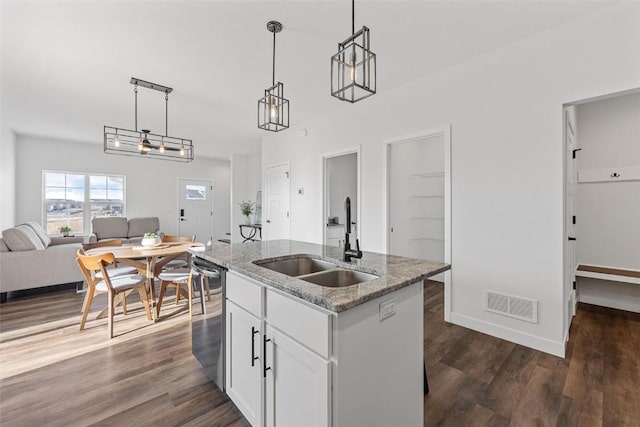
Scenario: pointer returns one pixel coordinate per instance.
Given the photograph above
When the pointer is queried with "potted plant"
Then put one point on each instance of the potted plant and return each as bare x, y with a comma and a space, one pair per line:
150, 239
65, 230
246, 207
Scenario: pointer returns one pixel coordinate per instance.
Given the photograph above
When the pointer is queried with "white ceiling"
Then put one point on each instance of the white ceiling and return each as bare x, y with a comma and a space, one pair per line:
66, 65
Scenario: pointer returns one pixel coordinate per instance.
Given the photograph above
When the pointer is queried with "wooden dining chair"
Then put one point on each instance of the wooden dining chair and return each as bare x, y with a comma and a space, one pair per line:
176, 277
90, 265
113, 270
182, 261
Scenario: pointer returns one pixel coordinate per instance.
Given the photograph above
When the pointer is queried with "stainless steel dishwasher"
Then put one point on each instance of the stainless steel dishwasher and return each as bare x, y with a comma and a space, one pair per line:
207, 330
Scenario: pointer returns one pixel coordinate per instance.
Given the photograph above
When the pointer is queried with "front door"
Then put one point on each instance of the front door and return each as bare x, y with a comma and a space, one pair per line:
195, 210
277, 222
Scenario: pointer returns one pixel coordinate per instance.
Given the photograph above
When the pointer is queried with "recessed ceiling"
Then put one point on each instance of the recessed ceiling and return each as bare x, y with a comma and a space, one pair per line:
66, 65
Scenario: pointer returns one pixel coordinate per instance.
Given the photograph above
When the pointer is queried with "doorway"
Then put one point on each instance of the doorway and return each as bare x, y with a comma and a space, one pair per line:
601, 203
195, 209
277, 223
419, 200
341, 179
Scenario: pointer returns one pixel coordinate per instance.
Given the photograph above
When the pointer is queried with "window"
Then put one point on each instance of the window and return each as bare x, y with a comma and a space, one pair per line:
66, 195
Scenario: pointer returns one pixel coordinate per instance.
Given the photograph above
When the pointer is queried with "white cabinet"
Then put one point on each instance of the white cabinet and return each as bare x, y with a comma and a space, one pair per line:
290, 386
243, 367
297, 385
319, 368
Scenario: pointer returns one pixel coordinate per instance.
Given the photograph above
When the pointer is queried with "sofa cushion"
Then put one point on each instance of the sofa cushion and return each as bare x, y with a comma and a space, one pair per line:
109, 227
42, 235
139, 226
21, 238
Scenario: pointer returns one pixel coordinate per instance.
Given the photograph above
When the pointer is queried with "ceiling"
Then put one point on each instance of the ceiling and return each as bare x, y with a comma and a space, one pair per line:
66, 65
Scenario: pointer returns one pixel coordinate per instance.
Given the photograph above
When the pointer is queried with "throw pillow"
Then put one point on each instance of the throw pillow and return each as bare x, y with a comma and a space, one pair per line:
18, 240
42, 235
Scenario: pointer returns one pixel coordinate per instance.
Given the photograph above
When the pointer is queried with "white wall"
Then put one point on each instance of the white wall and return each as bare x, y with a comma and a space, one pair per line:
151, 185
505, 109
246, 181
7, 178
608, 213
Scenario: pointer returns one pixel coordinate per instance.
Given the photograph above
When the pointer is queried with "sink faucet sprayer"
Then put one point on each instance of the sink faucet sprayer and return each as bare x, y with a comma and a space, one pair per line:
348, 252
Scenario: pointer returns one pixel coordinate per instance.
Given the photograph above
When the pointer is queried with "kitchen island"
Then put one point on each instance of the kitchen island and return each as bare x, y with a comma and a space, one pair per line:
300, 353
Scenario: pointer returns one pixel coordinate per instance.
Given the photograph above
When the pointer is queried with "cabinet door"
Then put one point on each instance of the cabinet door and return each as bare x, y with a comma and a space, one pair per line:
244, 381
297, 384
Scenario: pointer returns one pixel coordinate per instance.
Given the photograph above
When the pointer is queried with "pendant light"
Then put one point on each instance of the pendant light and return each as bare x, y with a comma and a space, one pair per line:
273, 109
353, 68
144, 143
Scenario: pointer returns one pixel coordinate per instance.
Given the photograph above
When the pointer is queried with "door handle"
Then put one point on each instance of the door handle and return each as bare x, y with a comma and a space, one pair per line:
268, 221
181, 212
265, 340
254, 331
571, 238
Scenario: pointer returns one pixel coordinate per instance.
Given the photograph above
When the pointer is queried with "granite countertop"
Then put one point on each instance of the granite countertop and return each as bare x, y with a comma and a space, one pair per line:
395, 272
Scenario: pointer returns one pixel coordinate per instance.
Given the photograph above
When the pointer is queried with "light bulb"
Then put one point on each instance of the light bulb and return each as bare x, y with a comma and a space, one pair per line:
162, 147
182, 150
353, 64
140, 146
116, 141
274, 110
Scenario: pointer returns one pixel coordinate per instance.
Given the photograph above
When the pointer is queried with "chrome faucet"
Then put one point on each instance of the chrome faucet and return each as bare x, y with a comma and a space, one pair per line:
348, 252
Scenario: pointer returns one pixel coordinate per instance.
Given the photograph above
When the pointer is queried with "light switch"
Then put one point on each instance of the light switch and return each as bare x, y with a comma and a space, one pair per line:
387, 309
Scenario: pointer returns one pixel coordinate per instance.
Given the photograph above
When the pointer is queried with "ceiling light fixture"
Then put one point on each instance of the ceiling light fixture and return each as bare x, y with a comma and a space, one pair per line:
144, 143
273, 109
353, 68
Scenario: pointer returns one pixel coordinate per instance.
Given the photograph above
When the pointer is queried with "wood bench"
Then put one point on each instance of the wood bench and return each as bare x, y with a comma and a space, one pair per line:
625, 275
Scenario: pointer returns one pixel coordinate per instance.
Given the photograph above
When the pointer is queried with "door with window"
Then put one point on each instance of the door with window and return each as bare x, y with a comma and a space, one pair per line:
195, 209
277, 222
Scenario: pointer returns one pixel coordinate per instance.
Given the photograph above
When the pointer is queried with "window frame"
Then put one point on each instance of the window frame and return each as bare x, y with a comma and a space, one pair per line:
86, 213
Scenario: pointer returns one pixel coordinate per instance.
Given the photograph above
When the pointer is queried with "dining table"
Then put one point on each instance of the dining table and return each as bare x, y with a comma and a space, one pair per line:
149, 260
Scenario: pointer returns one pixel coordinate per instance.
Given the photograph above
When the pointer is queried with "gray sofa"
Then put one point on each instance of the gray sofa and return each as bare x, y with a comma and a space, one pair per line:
29, 258
129, 231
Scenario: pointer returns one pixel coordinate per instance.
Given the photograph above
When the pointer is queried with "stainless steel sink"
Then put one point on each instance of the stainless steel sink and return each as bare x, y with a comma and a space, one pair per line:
298, 266
338, 277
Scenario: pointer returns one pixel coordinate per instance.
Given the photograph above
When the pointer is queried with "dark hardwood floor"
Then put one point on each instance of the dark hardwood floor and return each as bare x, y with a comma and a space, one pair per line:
51, 374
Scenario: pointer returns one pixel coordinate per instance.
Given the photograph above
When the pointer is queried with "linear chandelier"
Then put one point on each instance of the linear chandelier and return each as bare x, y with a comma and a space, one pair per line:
143, 143
273, 109
353, 68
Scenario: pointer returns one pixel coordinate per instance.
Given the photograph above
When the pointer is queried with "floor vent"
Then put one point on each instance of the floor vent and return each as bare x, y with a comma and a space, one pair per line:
508, 305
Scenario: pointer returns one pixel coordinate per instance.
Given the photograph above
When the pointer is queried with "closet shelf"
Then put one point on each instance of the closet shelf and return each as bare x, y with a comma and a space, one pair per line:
426, 175
428, 196
614, 274
426, 238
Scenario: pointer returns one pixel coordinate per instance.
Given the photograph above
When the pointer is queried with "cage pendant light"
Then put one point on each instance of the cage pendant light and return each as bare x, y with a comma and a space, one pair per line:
273, 109
353, 68
143, 143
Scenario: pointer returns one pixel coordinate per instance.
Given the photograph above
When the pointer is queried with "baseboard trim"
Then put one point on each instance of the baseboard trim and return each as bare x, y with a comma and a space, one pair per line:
527, 340
603, 301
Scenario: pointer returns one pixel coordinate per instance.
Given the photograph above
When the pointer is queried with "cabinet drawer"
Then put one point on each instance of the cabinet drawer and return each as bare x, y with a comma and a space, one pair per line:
244, 293
305, 324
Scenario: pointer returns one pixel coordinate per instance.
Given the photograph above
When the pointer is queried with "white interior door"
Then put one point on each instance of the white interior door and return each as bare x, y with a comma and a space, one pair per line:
277, 223
195, 209
570, 212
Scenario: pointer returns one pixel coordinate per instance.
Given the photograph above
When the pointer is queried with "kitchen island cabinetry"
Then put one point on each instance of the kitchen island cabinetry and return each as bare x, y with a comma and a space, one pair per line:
321, 368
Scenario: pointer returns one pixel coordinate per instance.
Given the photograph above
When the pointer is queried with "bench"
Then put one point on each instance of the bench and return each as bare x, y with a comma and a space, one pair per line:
615, 274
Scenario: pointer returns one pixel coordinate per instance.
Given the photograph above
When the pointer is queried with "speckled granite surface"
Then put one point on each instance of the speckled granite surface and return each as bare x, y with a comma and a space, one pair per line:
395, 272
